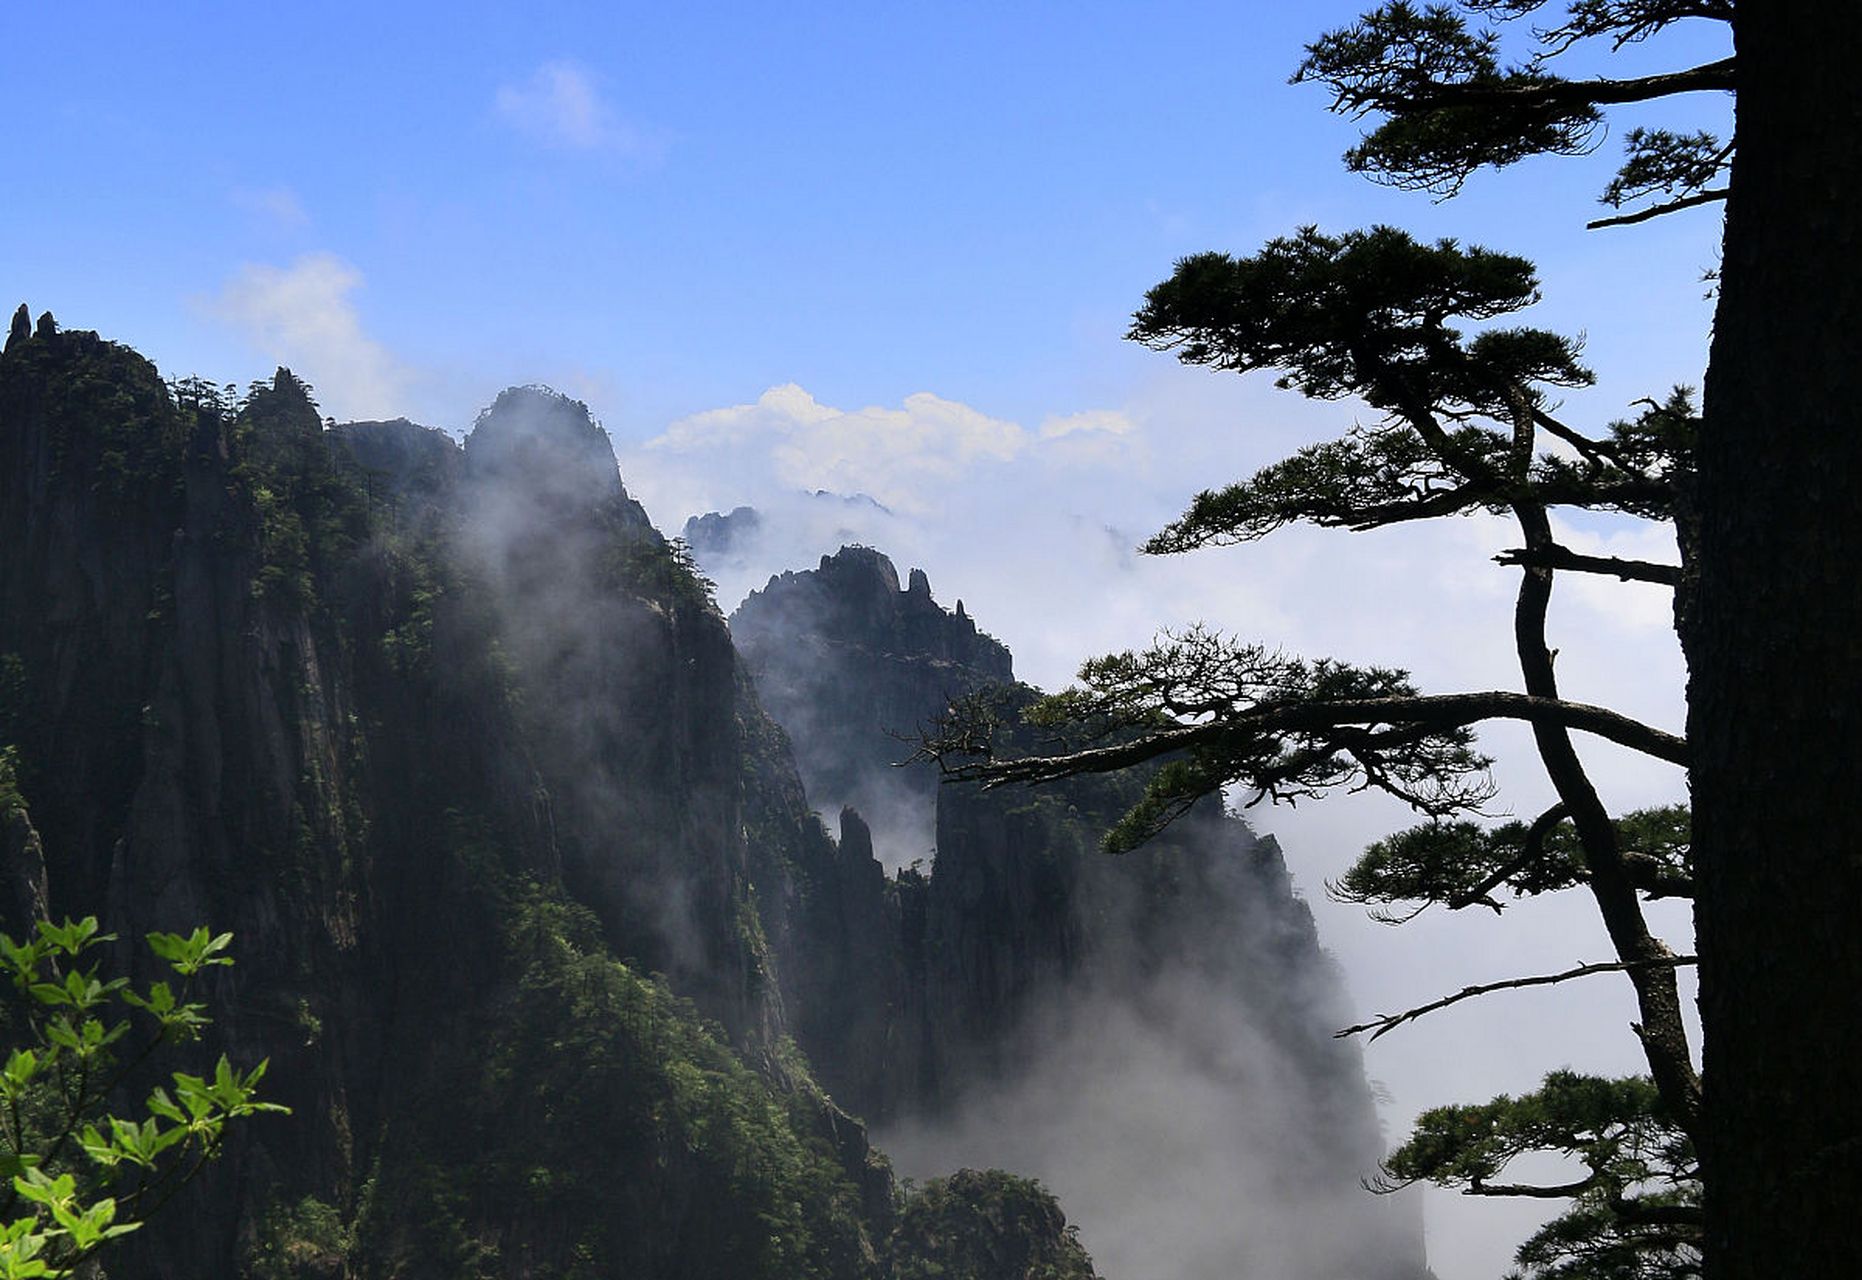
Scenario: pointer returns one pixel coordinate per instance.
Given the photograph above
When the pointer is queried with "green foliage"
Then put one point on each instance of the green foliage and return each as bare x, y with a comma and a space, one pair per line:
601, 1101
985, 1225
1364, 313
300, 1241
1448, 105
1660, 162
113, 428
312, 507
10, 799
1223, 697
80, 1175
1639, 469
1463, 864
1399, 52
662, 569
284, 550
408, 646
1373, 476
1635, 1211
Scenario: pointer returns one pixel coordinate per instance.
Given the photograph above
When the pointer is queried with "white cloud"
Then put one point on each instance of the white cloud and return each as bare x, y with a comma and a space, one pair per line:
302, 316
906, 457
560, 105
1635, 606
1106, 421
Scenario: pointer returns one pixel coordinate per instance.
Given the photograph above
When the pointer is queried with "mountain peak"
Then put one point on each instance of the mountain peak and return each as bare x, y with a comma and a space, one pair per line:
546, 445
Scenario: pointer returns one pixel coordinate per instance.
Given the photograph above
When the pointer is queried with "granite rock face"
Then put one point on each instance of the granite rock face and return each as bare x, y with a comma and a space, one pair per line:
457, 747
853, 667
1042, 988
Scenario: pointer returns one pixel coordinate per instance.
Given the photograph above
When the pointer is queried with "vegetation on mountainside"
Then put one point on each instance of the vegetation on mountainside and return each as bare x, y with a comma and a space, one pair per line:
131, 447
600, 1101
310, 503
989, 1223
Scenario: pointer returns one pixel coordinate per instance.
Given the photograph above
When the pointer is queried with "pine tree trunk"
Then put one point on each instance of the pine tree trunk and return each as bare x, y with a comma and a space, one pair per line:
1775, 653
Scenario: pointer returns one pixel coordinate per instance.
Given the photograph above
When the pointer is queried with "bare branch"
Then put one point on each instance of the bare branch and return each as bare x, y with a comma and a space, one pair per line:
1564, 1191
1562, 557
1595, 452
1391, 1021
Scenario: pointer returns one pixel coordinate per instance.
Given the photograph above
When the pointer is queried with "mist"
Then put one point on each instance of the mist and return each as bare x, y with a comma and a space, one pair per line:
1148, 1035
1174, 1134
634, 804
1040, 544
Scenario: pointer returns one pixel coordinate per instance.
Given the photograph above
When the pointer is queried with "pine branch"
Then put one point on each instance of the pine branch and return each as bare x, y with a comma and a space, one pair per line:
1551, 92
1595, 452
1438, 711
1563, 1191
1708, 196
1532, 850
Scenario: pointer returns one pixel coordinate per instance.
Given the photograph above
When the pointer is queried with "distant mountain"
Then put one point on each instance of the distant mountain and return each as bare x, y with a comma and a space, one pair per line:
723, 534
743, 535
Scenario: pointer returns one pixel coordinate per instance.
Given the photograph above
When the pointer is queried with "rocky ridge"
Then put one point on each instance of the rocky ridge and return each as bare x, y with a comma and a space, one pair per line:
458, 748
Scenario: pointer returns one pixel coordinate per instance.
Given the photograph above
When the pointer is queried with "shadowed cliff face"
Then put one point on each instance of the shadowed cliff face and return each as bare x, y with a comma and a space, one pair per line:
457, 747
1149, 1034
854, 667
628, 690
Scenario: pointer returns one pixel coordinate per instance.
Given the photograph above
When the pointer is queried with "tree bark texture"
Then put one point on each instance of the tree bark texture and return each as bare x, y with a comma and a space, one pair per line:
1774, 640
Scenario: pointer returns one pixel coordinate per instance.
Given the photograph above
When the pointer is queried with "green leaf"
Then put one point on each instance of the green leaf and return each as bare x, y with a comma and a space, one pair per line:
162, 1105
189, 955
21, 1066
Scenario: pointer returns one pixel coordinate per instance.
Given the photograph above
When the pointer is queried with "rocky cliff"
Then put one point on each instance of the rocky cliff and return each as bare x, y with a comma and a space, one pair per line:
1151, 1034
459, 749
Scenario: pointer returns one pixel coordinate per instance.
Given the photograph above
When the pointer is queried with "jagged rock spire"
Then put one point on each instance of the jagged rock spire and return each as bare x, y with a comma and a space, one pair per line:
22, 327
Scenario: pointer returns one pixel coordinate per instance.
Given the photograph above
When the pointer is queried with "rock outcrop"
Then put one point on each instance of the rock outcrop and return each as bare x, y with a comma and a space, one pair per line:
854, 668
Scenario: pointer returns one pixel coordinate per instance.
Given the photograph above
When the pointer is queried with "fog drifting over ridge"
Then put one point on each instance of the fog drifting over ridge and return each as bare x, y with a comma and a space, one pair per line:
1035, 530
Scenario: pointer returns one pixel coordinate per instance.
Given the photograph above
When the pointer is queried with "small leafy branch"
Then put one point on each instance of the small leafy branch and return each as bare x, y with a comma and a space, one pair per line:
79, 1175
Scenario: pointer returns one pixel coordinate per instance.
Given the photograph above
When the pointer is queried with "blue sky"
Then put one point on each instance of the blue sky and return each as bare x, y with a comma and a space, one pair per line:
889, 248
678, 206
